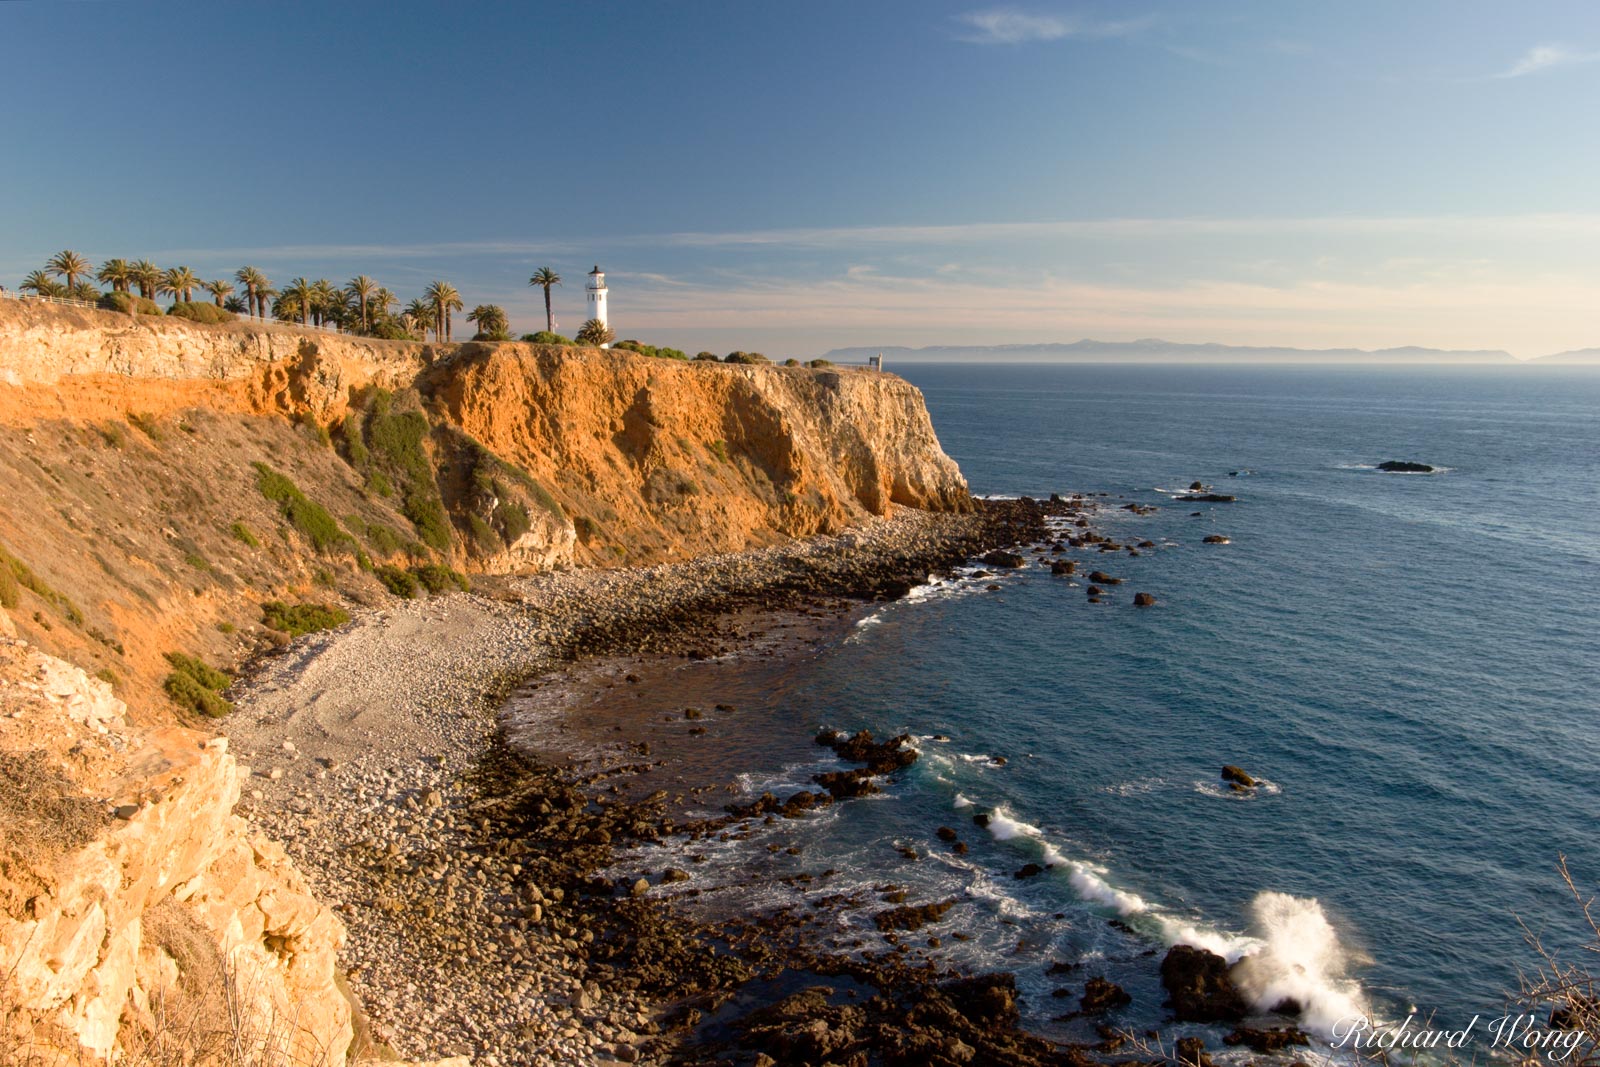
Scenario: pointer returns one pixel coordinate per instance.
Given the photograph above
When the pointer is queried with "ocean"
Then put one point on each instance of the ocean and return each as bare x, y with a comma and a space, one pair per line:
1407, 662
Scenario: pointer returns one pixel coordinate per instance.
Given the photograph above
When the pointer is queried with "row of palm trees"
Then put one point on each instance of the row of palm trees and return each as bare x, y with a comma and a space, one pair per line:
361, 305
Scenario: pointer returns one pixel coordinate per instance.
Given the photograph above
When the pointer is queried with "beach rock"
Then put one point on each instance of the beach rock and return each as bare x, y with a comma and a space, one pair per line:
1215, 539
1002, 558
1102, 578
1237, 775
1100, 995
1191, 1052
1199, 987
912, 916
842, 785
1143, 600
1267, 1041
1063, 566
1398, 466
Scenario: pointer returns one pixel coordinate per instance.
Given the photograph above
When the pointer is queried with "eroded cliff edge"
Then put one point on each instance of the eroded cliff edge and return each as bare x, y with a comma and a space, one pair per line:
160, 480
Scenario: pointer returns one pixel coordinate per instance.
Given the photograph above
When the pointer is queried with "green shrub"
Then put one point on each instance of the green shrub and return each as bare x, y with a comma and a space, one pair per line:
355, 449
718, 448
107, 675
707, 357
21, 575
484, 535
199, 311
297, 620
378, 483
791, 362
243, 534
195, 698
198, 562
129, 303
819, 364
304, 514
437, 578
545, 337
497, 335
396, 439
399, 582
747, 358
513, 521
112, 435
146, 424
226, 627
10, 592
587, 528
197, 669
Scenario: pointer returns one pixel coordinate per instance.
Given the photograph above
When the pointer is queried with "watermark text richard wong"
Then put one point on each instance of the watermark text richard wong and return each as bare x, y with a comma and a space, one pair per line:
1520, 1035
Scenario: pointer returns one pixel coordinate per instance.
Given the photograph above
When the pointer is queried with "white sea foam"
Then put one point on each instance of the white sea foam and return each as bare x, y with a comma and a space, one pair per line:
1299, 956
961, 801
1003, 826
1264, 787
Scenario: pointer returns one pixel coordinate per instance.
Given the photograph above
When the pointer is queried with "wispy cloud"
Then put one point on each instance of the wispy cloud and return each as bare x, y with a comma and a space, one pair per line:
1006, 25
1547, 57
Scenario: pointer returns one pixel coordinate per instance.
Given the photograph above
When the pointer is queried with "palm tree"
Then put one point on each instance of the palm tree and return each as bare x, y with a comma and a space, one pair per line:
445, 299
220, 290
327, 301
362, 290
546, 277
117, 273
383, 300
597, 333
41, 283
85, 292
147, 276
264, 295
418, 318
254, 282
69, 266
180, 282
298, 299
236, 305
491, 319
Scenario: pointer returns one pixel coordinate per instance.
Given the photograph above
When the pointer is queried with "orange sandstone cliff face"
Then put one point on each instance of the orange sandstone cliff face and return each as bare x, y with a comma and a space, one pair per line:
144, 511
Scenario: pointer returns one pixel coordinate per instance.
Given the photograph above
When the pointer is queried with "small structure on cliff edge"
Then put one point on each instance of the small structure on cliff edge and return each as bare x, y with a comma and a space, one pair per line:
875, 362
597, 297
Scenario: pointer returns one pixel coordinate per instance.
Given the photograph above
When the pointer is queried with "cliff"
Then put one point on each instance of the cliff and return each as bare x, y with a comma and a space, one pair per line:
160, 481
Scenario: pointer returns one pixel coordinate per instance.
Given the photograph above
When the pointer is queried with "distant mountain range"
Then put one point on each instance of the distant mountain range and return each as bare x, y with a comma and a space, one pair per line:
1154, 350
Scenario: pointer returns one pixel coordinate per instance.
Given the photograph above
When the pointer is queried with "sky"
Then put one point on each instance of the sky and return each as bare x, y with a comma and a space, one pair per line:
794, 177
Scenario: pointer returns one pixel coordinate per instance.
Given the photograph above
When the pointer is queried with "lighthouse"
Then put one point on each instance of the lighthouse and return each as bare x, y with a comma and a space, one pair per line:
597, 297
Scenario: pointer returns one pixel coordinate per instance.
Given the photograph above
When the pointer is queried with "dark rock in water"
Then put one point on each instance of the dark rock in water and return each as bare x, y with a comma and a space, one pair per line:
987, 999
1100, 995
1064, 566
1195, 487
1055, 498
992, 588
998, 761
1191, 1052
1002, 558
805, 1027
1195, 514
803, 802
674, 874
894, 588
1095, 590
912, 916
982, 574
1230, 773
1215, 539
1398, 466
983, 818
1027, 870
945, 833
959, 848
1289, 1006
1102, 578
692, 713
726, 707
1143, 600
1147, 544
1266, 1041
1094, 600
1062, 967
1209, 498
842, 785
1199, 987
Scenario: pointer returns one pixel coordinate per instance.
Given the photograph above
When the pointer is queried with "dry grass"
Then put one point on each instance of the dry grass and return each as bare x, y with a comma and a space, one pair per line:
41, 809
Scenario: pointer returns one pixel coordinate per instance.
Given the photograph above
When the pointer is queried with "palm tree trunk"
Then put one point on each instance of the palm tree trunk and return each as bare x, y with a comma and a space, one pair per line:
549, 320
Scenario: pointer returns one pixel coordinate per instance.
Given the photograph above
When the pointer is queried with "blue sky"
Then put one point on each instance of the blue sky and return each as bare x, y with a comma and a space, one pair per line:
790, 177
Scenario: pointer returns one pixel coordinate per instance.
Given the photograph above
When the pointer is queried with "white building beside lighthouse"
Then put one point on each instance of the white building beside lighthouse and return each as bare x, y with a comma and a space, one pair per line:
597, 297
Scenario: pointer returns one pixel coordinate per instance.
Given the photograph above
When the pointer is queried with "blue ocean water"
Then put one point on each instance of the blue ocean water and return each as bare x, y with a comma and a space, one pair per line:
1409, 661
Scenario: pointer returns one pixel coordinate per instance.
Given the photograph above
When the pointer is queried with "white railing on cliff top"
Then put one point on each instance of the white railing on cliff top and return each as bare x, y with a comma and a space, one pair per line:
28, 298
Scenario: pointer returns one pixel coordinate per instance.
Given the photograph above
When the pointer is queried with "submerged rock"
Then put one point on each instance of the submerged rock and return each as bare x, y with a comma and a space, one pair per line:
1400, 466
1215, 539
1100, 995
1267, 1041
1209, 498
1143, 600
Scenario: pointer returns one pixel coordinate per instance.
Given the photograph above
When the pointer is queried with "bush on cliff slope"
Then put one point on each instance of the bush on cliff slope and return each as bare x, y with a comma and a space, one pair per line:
297, 620
304, 514
199, 311
197, 687
130, 303
388, 447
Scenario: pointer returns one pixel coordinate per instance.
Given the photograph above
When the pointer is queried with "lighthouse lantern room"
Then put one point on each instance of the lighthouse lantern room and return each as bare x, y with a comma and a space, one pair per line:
597, 297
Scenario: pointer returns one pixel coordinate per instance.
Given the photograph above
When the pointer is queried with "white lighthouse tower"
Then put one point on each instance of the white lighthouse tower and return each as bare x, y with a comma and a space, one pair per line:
597, 297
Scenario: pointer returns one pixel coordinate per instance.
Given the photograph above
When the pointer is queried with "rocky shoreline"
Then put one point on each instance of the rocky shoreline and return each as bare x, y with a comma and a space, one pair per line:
464, 872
